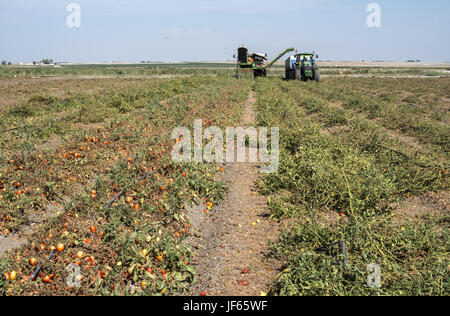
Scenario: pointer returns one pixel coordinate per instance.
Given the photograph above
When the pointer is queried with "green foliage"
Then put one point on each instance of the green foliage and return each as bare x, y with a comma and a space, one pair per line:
333, 160
413, 259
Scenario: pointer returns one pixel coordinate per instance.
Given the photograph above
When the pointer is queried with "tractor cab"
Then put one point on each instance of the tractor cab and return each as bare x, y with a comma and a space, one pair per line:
305, 57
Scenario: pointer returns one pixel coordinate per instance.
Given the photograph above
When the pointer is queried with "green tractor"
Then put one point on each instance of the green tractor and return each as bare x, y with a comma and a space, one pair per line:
256, 62
302, 67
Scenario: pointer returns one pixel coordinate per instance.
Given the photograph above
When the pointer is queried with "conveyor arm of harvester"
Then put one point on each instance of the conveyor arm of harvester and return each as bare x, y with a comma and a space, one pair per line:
278, 57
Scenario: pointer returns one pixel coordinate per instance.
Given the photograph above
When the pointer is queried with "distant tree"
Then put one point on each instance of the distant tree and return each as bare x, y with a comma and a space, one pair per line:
3, 62
47, 61
9, 63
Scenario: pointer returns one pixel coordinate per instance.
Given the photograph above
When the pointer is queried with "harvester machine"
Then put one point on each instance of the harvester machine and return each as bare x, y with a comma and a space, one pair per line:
255, 62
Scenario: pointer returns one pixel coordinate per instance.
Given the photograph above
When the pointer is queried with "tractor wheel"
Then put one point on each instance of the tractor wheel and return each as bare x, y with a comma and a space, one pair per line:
317, 74
298, 74
291, 74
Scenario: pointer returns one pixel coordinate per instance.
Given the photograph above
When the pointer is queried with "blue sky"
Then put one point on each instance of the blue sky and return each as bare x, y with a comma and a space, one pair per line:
211, 30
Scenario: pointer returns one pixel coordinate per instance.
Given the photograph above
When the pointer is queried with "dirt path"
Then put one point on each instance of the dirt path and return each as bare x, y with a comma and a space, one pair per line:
34, 220
168, 76
234, 236
443, 75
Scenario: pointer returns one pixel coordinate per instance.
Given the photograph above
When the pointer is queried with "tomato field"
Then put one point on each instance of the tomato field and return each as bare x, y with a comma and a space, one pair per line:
88, 186
137, 238
353, 151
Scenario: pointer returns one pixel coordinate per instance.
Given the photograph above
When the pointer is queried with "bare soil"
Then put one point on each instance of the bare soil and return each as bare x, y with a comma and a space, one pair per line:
34, 221
419, 209
231, 249
10, 242
409, 141
378, 76
385, 64
113, 77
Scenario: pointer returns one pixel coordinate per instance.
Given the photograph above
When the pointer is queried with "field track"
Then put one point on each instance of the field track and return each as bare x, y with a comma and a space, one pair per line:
113, 77
231, 256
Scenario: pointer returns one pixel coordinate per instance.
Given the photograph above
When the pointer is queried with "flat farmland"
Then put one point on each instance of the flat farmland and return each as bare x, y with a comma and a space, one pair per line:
86, 177
363, 173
